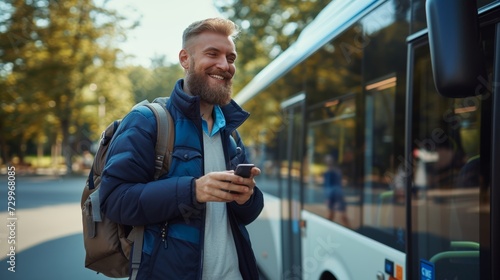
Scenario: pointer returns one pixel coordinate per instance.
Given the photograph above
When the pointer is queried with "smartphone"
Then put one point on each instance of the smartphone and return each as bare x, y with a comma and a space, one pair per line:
244, 169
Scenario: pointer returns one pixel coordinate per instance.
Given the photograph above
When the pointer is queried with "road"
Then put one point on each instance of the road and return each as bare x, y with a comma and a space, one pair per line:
46, 226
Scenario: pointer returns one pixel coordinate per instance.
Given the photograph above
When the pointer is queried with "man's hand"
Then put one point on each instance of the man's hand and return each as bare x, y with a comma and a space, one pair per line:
225, 186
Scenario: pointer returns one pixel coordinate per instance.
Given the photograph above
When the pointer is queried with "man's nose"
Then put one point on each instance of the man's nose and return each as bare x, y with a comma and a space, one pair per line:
223, 63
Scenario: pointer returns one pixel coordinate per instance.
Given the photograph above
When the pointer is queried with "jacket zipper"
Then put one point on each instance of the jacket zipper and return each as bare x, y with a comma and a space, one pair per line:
163, 232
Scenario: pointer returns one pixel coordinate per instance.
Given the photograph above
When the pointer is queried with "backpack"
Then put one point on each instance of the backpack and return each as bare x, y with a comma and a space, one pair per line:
108, 244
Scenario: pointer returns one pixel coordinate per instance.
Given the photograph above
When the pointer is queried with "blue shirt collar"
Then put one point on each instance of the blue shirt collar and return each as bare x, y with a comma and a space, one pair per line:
219, 122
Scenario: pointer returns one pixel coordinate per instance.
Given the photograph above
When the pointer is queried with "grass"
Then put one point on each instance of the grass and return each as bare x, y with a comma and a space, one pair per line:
42, 162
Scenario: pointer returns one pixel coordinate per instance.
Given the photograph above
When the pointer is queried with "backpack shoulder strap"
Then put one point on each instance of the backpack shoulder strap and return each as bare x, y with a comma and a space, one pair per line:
165, 138
137, 235
164, 146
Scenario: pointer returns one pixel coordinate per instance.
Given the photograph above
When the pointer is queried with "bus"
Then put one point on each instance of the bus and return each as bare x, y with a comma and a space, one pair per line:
396, 101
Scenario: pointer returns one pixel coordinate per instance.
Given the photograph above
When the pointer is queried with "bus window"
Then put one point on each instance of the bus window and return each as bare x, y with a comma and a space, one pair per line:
380, 195
356, 109
449, 194
330, 145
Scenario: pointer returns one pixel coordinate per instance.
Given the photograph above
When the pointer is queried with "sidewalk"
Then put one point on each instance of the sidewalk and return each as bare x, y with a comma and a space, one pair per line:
43, 171
35, 226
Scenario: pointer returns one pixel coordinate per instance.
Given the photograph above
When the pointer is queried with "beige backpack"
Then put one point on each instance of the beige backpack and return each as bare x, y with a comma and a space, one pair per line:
108, 244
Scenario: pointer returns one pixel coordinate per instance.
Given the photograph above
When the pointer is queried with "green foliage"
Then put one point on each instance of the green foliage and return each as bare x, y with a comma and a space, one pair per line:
51, 52
62, 81
267, 29
154, 82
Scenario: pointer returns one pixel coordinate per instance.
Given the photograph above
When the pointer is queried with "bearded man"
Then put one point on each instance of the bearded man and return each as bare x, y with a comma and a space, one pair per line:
194, 216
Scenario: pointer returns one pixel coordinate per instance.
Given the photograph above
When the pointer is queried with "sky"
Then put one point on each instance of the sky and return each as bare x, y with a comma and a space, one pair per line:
161, 26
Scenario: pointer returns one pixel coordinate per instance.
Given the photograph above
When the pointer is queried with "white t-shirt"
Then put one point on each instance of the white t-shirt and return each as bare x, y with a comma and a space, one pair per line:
220, 259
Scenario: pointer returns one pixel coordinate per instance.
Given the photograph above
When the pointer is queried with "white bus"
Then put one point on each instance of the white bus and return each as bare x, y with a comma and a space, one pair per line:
399, 98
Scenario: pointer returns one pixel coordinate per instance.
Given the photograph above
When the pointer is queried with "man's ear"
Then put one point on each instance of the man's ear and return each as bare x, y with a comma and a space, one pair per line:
184, 59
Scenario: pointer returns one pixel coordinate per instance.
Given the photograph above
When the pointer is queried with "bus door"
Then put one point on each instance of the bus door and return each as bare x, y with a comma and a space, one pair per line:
290, 160
449, 163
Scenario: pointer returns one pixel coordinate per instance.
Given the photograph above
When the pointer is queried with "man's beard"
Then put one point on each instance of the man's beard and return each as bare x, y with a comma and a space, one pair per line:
199, 85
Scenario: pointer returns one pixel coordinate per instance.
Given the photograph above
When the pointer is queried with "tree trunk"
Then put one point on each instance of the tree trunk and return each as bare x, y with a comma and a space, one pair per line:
66, 147
4, 150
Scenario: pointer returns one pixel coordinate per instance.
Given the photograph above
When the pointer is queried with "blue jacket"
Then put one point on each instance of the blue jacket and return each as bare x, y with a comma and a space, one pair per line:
130, 196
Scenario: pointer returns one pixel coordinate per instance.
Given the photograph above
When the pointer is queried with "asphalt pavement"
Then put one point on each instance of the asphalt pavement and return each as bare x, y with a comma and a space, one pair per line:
41, 237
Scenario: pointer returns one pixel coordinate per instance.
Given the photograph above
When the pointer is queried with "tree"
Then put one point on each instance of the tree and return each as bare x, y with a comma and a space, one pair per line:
55, 51
13, 44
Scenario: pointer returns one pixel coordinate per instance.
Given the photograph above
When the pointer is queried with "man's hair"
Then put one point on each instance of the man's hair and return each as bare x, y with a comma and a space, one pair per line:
217, 25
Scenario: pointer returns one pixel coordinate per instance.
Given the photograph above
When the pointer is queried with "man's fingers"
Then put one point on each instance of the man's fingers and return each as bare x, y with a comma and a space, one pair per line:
225, 187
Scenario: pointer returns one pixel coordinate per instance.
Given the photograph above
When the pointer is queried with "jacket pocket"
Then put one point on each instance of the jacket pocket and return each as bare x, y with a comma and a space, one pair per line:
179, 255
186, 162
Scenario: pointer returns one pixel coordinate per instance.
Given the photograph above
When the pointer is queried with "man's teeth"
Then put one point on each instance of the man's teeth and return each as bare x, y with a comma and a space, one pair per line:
217, 77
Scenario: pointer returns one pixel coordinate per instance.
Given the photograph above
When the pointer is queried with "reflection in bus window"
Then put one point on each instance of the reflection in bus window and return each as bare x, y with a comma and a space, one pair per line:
380, 208
330, 142
356, 100
449, 201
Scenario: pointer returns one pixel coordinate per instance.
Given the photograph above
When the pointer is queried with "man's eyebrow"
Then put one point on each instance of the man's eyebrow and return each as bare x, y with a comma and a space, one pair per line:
209, 49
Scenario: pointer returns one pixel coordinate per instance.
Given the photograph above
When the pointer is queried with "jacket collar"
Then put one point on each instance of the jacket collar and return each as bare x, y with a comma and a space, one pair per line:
190, 107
